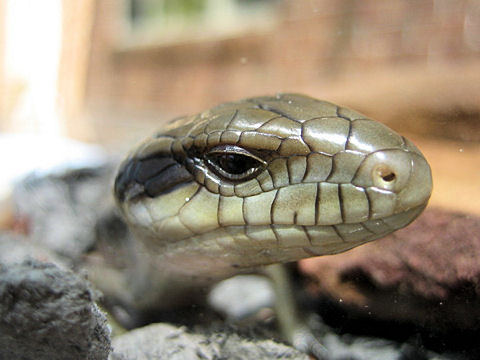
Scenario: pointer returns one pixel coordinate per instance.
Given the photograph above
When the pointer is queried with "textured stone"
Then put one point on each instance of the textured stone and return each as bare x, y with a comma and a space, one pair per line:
16, 248
427, 274
60, 210
49, 313
165, 341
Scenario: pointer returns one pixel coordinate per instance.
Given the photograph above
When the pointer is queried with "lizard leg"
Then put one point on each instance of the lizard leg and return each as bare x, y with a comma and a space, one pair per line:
292, 324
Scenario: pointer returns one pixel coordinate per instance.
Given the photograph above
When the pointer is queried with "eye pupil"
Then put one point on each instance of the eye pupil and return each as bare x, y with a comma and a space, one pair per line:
236, 164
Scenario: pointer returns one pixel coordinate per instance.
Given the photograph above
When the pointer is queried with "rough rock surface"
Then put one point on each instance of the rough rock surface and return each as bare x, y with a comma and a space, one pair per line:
60, 210
49, 313
165, 341
213, 342
16, 248
427, 274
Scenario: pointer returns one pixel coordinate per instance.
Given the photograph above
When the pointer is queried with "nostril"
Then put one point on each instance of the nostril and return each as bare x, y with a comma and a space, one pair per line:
389, 170
385, 172
388, 177
384, 176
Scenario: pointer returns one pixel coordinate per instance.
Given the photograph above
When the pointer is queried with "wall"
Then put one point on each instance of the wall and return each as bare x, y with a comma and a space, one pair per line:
341, 50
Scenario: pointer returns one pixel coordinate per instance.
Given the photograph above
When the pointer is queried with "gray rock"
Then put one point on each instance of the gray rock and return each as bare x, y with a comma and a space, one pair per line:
164, 341
49, 313
61, 210
16, 248
242, 296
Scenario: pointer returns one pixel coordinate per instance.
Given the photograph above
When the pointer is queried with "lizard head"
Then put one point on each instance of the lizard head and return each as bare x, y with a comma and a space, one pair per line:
272, 179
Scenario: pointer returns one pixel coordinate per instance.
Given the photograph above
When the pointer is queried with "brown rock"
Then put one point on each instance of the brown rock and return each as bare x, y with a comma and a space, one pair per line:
427, 274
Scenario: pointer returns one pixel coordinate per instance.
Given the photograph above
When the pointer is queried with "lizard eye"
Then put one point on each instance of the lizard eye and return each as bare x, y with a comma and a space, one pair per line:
234, 163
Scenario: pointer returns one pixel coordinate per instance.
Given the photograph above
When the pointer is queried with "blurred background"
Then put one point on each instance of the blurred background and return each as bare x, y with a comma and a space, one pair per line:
109, 72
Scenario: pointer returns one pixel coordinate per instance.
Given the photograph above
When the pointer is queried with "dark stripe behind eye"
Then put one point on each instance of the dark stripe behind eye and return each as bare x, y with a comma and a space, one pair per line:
167, 180
151, 167
157, 175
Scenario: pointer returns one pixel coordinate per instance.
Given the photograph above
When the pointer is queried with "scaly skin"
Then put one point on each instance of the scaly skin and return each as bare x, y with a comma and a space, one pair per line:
325, 179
